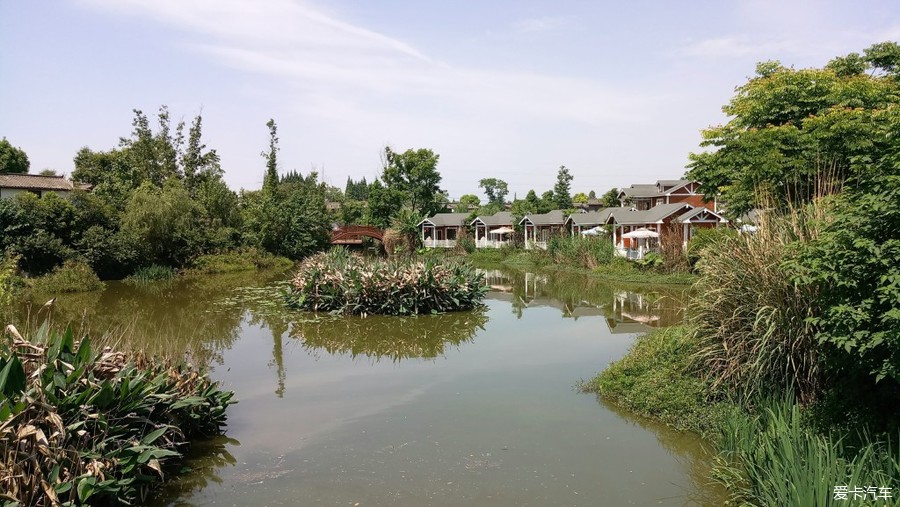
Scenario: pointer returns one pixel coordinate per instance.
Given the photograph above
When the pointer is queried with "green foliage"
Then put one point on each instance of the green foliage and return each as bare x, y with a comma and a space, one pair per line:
151, 274
414, 175
793, 132
82, 426
165, 223
340, 282
610, 199
12, 159
580, 198
751, 320
657, 379
854, 267
384, 203
495, 189
356, 190
774, 458
7, 270
466, 201
244, 260
562, 197
292, 222
352, 213
71, 276
650, 260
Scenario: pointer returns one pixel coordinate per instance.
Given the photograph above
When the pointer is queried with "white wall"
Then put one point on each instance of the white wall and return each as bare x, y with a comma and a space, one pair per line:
7, 193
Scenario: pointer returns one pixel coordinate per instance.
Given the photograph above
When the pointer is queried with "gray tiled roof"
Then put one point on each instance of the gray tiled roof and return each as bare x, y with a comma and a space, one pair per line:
446, 219
592, 217
499, 218
625, 216
672, 183
35, 182
641, 190
555, 217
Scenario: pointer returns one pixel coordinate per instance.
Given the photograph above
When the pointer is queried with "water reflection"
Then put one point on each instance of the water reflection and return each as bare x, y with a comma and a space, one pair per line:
633, 310
394, 338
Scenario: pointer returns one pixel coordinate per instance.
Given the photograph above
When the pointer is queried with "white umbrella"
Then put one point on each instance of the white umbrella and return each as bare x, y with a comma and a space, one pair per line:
641, 233
748, 228
502, 230
593, 231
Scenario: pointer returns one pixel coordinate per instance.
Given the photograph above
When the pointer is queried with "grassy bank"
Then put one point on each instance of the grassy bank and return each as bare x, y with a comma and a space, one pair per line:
613, 269
234, 262
81, 425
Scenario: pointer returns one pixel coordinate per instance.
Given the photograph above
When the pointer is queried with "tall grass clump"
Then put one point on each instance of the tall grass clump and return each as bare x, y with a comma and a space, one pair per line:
152, 273
581, 251
340, 282
82, 426
7, 269
71, 276
773, 458
750, 319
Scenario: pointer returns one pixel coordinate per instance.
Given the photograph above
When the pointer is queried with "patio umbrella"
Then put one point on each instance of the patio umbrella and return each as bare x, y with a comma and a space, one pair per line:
641, 233
502, 230
593, 231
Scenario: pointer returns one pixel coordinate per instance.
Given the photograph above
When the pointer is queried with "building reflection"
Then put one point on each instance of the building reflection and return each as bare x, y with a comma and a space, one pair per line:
634, 310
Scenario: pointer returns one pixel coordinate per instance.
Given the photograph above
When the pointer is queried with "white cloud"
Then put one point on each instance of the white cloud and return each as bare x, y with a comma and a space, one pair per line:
541, 24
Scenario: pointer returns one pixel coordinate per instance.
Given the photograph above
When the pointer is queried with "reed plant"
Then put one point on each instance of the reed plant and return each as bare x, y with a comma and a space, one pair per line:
580, 251
774, 458
751, 321
340, 282
82, 426
151, 274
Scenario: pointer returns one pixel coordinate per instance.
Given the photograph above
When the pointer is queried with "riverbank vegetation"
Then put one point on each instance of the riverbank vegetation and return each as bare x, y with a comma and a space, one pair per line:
81, 425
795, 328
340, 282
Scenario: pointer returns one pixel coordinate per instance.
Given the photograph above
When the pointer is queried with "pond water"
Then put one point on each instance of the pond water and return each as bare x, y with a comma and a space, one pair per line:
476, 408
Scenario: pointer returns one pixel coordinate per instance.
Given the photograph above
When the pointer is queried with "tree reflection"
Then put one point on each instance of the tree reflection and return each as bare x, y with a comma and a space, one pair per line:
394, 338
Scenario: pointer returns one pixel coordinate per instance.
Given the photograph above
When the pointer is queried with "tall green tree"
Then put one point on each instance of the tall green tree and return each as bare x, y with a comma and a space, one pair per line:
495, 189
467, 200
12, 159
384, 204
199, 164
611, 198
562, 196
414, 174
270, 180
796, 133
580, 197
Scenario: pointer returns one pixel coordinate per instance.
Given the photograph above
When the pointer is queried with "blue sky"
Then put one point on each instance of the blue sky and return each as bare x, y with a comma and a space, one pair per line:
616, 91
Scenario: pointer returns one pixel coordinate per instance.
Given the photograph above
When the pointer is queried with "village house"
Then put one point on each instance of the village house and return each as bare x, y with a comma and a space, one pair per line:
442, 230
13, 184
578, 223
642, 197
636, 232
493, 231
539, 228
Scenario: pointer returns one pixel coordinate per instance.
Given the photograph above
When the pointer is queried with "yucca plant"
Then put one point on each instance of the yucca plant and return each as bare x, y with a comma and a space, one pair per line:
340, 282
83, 426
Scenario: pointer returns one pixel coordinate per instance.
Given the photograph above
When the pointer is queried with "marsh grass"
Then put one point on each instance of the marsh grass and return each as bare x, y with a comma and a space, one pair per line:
81, 425
751, 321
242, 260
580, 251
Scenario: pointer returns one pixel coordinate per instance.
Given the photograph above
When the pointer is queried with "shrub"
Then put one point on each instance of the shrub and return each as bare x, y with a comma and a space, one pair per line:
704, 238
340, 282
83, 426
72, 276
854, 266
752, 322
7, 269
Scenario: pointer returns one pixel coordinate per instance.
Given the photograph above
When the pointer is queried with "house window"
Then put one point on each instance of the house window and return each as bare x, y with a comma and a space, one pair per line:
659, 201
451, 234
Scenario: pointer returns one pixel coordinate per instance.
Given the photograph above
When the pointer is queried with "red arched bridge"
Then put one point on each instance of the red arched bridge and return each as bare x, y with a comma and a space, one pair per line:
353, 234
